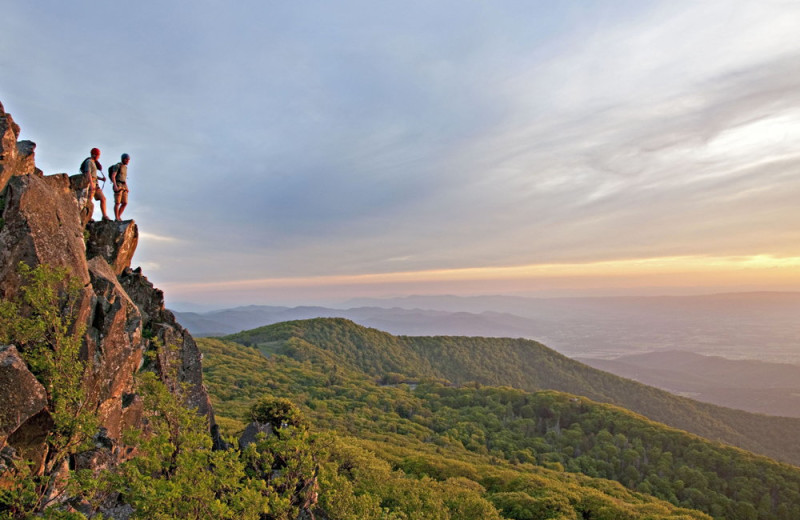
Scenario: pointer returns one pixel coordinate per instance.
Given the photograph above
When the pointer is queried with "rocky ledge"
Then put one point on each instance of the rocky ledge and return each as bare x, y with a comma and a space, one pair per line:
46, 220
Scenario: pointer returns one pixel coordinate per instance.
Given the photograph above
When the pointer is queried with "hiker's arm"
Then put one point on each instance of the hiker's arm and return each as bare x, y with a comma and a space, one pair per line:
99, 170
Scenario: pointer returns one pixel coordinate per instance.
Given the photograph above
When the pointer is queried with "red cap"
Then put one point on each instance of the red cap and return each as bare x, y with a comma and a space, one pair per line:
95, 151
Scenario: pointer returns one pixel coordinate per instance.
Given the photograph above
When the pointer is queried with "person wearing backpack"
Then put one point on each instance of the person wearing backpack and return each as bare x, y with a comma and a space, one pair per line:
119, 178
89, 167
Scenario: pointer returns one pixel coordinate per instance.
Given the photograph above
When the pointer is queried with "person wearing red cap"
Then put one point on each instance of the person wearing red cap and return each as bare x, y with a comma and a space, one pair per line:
89, 167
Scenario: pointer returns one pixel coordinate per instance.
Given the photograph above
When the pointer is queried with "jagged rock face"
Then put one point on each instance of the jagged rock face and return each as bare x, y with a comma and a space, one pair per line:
178, 361
80, 186
44, 221
16, 158
41, 226
113, 347
114, 241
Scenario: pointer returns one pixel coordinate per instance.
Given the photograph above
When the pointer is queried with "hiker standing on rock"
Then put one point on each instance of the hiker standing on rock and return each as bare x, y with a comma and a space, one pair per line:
119, 177
89, 167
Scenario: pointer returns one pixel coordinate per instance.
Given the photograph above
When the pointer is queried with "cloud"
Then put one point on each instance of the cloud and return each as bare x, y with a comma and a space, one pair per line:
280, 141
158, 238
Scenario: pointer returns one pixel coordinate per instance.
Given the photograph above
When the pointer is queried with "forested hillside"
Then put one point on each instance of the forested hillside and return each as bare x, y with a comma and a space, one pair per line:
523, 364
406, 414
379, 460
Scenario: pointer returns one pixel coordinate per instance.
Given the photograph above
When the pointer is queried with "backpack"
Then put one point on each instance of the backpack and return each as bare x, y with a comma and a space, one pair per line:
113, 170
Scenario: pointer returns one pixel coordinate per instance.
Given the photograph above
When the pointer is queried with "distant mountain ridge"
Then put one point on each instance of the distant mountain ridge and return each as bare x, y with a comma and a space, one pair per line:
393, 320
754, 386
526, 365
737, 325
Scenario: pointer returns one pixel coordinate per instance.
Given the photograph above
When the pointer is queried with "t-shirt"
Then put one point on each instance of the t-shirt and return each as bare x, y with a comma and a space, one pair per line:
122, 173
89, 166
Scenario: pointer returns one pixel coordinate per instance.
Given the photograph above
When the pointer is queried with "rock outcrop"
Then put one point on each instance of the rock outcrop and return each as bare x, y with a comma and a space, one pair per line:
16, 157
178, 361
120, 320
113, 241
43, 220
40, 225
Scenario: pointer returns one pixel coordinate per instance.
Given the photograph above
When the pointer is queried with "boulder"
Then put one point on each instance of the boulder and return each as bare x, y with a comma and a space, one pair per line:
8, 146
252, 431
29, 440
21, 395
113, 241
100, 457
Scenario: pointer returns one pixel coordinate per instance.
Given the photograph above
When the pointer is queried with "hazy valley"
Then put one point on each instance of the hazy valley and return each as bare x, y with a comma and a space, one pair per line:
441, 407
761, 326
704, 347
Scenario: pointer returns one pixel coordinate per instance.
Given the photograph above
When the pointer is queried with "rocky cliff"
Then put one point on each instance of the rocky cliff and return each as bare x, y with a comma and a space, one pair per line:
45, 219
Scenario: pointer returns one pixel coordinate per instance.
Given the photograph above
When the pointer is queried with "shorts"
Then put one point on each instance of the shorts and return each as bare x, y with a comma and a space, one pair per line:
98, 194
121, 196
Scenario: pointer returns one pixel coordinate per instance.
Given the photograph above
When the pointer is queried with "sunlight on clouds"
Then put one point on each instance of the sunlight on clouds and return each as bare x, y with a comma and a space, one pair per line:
700, 268
157, 238
150, 266
772, 135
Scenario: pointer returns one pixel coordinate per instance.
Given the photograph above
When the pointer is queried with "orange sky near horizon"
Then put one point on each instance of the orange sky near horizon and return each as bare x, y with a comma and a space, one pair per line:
665, 275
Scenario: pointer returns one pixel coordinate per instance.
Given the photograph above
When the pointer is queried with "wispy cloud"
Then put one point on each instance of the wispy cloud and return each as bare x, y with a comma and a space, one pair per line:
313, 142
157, 238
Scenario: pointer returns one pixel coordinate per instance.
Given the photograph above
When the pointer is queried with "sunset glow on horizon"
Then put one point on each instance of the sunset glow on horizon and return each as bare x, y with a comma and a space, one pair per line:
758, 272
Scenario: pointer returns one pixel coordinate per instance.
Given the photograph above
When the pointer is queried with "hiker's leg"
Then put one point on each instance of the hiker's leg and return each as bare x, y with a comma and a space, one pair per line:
102, 204
123, 203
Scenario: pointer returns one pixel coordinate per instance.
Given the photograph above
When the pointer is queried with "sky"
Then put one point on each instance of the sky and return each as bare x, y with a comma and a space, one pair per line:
310, 152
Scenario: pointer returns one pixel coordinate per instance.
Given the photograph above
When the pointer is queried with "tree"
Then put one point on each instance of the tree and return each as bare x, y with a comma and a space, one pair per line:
40, 320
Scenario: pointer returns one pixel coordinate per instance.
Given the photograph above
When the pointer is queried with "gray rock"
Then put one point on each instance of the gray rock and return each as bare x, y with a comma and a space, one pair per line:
252, 431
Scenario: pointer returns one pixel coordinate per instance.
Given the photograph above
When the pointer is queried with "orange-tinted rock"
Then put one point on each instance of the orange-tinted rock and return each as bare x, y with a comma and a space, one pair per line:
16, 158
113, 348
43, 222
80, 187
113, 241
41, 226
